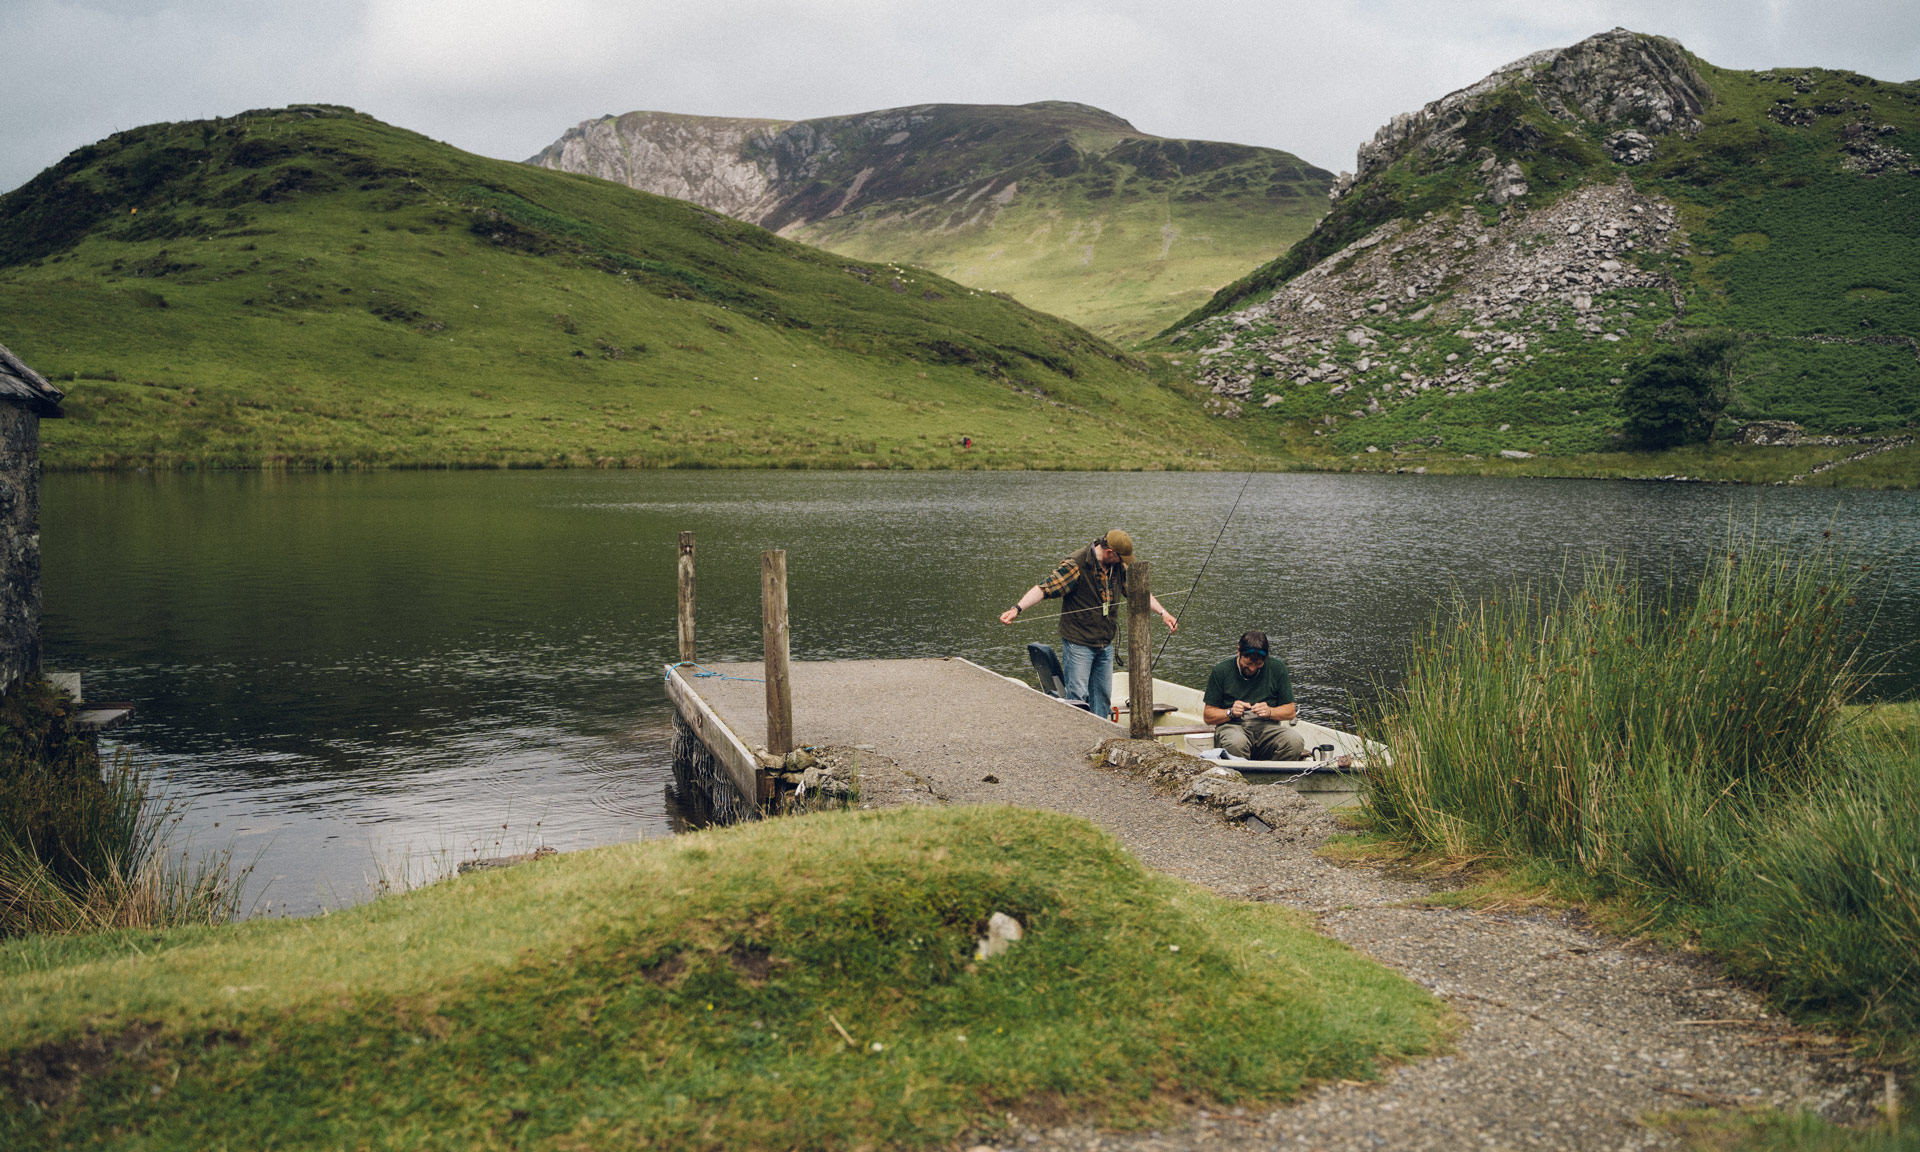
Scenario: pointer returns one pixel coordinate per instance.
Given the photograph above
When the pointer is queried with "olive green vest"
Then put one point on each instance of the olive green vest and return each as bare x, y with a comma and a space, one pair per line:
1080, 618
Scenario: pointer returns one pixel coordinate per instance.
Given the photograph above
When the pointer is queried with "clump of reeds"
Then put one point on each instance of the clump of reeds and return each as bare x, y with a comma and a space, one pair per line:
85, 846
1830, 909
1628, 732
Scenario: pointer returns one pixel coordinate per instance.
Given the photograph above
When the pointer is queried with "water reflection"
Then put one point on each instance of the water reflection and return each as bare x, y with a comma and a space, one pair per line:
378, 673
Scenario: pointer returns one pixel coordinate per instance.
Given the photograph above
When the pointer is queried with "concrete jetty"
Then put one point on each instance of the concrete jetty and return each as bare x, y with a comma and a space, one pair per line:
937, 719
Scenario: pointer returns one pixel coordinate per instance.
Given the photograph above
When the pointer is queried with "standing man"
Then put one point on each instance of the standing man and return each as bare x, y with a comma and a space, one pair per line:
1249, 700
1088, 581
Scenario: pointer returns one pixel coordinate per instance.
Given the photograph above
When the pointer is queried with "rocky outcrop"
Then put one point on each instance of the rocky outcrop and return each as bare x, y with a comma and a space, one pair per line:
721, 163
1503, 286
1645, 84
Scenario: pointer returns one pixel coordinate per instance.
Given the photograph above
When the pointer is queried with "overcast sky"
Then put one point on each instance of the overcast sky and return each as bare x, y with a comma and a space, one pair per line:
506, 77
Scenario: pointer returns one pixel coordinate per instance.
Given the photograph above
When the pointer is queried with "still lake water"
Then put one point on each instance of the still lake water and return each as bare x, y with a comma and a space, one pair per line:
345, 674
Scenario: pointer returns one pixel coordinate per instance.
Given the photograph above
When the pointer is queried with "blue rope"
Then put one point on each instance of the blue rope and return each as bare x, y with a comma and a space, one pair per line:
705, 673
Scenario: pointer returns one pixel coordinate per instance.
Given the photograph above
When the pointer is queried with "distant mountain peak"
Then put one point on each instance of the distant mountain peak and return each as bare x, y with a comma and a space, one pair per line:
1052, 200
1081, 109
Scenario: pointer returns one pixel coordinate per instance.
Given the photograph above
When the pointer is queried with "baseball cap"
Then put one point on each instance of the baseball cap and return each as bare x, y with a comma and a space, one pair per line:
1119, 543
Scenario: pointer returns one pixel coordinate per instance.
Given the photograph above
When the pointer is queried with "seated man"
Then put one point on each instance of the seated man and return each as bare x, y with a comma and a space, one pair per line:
1249, 699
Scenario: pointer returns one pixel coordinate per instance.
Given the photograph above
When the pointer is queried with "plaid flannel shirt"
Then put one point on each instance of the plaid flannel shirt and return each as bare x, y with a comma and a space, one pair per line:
1060, 580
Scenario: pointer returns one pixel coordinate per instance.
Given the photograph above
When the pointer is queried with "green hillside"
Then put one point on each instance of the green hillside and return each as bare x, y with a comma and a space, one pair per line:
1782, 208
1068, 208
309, 286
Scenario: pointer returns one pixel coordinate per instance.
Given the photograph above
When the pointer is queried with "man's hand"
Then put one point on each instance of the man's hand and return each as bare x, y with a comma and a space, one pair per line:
1009, 616
1167, 618
1261, 711
1239, 709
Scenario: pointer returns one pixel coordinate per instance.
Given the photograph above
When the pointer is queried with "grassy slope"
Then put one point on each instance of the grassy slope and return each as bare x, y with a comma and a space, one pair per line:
1787, 247
311, 286
1109, 227
693, 992
1122, 238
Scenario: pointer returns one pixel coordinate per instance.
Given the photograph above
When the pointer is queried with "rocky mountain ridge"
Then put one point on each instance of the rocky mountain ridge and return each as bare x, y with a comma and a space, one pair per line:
1503, 255
1068, 207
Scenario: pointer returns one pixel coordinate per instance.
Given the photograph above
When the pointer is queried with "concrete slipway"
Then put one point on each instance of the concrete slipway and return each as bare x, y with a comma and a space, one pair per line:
1572, 1038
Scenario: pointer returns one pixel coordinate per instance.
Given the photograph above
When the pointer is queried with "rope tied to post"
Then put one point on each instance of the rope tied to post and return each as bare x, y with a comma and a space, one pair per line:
708, 673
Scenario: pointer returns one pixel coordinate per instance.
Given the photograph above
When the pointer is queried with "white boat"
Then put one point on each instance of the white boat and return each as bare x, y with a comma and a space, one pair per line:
1336, 761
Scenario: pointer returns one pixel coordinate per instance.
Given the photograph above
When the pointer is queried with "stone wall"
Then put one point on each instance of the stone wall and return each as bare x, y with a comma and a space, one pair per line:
19, 542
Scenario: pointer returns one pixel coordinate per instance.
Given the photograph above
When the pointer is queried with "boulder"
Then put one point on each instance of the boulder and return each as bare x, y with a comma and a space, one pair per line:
1002, 932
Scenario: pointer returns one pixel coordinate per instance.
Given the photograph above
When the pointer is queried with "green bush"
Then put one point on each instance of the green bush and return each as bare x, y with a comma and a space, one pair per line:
1676, 395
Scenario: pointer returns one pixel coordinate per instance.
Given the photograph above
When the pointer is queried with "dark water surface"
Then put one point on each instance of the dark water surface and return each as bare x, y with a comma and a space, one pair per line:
351, 674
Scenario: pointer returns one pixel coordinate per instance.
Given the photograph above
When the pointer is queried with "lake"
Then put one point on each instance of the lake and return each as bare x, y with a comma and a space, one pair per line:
349, 676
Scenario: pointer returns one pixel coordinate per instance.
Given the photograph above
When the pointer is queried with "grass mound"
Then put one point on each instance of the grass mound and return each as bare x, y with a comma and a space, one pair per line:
807, 982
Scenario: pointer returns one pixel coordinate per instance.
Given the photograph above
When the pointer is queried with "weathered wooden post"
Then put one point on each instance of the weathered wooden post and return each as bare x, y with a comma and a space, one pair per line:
686, 597
1139, 652
773, 612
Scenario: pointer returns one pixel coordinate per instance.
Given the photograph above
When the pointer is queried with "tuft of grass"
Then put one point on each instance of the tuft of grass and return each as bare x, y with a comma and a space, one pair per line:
1830, 908
1681, 765
1626, 736
1720, 1131
85, 847
807, 982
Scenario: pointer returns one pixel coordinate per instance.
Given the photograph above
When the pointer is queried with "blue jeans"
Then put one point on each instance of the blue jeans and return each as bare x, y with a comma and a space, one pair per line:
1089, 673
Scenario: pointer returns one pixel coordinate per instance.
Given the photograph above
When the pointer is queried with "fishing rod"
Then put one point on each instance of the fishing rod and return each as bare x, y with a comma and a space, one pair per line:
1203, 568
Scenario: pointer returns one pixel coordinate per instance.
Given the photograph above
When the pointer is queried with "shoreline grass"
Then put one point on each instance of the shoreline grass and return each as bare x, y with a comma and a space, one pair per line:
1895, 470
1680, 764
84, 846
806, 982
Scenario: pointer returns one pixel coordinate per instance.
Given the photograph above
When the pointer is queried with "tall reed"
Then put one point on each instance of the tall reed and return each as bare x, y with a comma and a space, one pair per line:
1831, 912
1625, 731
84, 847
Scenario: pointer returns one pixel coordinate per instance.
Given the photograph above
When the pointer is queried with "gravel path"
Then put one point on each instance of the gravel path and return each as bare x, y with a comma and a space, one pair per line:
1569, 1038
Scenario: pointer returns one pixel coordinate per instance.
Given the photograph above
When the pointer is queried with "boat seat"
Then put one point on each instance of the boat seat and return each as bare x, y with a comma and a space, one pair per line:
1046, 665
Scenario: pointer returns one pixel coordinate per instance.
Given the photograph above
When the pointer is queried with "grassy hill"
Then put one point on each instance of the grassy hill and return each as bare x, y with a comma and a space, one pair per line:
808, 982
1507, 254
309, 286
1068, 208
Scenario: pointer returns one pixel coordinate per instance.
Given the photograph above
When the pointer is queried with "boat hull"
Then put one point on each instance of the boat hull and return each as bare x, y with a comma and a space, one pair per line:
1333, 778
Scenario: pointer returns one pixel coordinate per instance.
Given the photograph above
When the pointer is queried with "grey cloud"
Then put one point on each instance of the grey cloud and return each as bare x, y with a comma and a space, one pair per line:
504, 77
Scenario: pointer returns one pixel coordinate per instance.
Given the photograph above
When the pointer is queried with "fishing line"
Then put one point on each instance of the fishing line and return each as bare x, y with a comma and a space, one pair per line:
1023, 618
1203, 566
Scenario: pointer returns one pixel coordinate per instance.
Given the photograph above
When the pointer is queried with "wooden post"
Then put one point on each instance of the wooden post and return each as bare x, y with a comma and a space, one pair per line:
773, 613
1139, 652
686, 596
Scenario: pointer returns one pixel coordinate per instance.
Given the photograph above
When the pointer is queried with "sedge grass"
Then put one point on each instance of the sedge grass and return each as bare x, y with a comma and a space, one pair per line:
1628, 733
801, 983
85, 846
1829, 912
1682, 762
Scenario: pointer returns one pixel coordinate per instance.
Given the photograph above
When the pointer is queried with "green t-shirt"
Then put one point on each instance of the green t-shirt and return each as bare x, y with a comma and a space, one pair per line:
1270, 686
